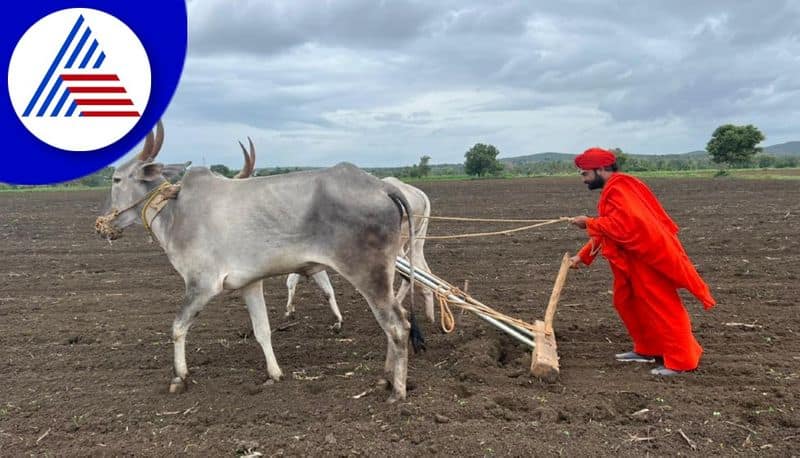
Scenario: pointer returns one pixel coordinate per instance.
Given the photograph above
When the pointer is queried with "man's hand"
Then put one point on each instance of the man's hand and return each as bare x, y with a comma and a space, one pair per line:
579, 221
575, 262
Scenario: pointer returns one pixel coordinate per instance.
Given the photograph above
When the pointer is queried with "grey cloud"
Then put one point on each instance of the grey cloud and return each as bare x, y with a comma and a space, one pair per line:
267, 27
370, 79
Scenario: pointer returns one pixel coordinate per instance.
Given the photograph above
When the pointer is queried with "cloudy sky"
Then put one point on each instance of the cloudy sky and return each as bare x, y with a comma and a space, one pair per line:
381, 83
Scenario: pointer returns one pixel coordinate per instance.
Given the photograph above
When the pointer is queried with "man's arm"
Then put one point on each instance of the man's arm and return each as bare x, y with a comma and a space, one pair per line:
616, 224
587, 254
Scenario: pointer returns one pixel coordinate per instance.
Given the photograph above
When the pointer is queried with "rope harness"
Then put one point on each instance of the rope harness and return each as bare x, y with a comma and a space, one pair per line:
156, 199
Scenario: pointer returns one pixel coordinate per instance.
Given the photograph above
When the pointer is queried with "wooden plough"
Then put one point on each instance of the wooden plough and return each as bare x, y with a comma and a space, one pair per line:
539, 336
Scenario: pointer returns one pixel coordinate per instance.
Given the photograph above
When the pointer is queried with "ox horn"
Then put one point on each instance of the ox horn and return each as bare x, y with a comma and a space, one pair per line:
252, 155
249, 160
247, 167
144, 154
152, 145
159, 140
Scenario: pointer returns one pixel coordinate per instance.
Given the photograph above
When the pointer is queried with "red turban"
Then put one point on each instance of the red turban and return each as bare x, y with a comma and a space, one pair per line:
595, 158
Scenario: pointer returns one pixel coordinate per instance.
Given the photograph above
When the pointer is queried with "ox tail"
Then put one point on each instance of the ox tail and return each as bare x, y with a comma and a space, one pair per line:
417, 340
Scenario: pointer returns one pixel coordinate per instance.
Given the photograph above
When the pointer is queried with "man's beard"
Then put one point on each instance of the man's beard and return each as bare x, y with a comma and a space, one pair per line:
597, 183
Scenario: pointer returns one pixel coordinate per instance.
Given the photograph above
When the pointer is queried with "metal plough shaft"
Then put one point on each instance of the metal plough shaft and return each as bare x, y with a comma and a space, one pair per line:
428, 280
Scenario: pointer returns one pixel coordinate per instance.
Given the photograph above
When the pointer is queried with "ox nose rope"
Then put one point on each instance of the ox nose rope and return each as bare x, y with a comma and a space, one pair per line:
103, 225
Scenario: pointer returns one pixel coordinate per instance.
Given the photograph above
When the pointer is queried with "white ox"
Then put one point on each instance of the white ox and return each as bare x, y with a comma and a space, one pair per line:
225, 234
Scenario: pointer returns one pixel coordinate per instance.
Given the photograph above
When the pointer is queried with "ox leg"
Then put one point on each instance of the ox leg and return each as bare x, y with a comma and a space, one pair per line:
254, 297
392, 318
291, 286
403, 289
324, 283
196, 299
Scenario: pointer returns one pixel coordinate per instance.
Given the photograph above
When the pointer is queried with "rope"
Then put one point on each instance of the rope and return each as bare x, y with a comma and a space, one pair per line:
483, 220
507, 231
447, 321
165, 191
103, 224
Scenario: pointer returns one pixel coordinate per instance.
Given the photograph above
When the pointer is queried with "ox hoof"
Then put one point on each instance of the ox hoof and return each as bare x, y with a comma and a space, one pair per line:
336, 327
395, 397
289, 314
384, 383
275, 377
177, 386
269, 382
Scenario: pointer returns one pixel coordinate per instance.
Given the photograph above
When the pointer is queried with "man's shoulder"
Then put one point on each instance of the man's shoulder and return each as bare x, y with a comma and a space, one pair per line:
623, 179
624, 184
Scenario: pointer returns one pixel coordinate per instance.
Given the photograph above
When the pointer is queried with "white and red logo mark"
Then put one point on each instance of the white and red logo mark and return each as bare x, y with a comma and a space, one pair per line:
79, 79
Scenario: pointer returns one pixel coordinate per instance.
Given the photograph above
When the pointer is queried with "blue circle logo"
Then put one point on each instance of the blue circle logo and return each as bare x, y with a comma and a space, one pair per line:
86, 84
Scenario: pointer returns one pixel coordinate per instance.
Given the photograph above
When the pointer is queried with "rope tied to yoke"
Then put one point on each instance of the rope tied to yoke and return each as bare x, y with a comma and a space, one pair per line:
447, 320
538, 223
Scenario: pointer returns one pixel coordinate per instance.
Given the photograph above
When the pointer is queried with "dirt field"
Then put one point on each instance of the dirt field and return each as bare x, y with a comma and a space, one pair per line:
85, 352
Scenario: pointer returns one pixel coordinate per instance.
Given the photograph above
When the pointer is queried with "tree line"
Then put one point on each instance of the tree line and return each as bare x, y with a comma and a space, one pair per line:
730, 146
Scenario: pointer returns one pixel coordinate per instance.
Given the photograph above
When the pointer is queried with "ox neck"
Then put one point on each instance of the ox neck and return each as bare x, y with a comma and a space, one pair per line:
161, 224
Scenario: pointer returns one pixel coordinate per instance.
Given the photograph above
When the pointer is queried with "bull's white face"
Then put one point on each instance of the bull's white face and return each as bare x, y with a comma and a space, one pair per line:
129, 186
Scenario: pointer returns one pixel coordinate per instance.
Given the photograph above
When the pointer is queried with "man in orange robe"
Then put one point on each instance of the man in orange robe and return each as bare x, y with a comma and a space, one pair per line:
640, 242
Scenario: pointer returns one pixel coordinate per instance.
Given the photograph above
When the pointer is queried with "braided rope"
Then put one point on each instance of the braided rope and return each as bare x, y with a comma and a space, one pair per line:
103, 224
447, 321
164, 192
482, 220
507, 231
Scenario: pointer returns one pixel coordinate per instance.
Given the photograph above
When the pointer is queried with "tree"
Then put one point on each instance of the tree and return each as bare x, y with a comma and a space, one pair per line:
482, 160
765, 160
419, 170
100, 178
424, 169
623, 160
734, 145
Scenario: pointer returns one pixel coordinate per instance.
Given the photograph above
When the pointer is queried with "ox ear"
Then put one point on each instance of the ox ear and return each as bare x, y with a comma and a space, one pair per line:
171, 171
150, 172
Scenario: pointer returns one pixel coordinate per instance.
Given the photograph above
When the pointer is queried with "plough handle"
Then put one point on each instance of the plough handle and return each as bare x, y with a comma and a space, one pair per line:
556, 294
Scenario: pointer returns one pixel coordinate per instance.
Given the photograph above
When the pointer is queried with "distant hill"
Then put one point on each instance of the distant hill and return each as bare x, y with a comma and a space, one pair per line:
538, 157
781, 149
784, 149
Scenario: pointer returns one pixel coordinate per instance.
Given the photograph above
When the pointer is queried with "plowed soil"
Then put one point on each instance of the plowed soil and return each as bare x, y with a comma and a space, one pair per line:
86, 355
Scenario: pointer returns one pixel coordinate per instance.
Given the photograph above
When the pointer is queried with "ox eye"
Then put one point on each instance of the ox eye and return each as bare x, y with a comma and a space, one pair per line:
116, 180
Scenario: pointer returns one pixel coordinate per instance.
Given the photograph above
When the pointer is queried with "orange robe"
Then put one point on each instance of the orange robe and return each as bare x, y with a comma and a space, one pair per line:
649, 264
